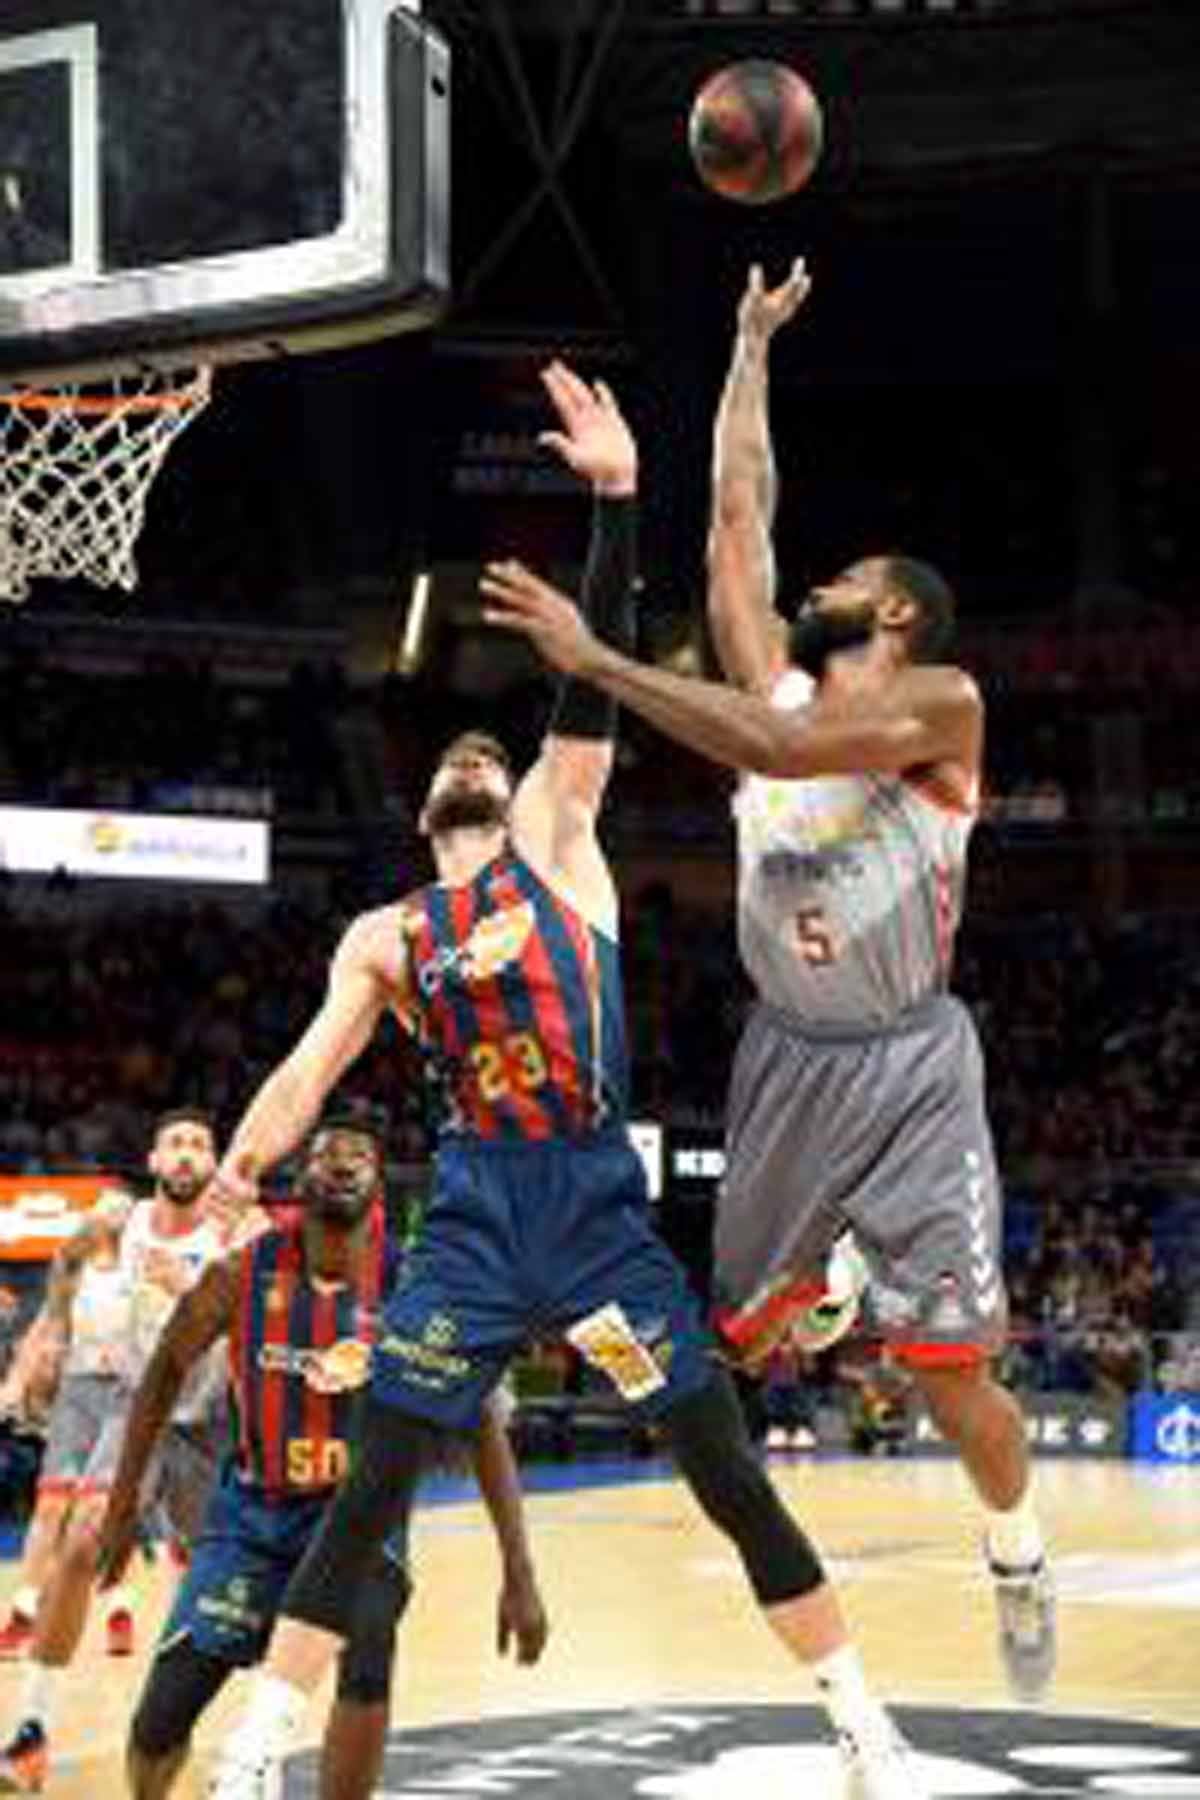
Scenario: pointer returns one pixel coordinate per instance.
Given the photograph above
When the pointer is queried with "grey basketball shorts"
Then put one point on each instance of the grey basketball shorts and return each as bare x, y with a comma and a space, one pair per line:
83, 1404
885, 1132
178, 1480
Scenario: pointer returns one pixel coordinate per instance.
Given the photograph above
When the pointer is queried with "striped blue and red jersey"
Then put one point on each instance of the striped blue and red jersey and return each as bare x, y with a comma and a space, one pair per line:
292, 1437
515, 999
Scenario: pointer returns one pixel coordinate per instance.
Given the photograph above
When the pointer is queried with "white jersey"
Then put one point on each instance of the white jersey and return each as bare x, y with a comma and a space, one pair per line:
100, 1322
151, 1306
850, 888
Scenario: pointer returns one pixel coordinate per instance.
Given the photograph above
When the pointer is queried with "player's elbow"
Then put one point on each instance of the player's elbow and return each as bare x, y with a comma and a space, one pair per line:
736, 506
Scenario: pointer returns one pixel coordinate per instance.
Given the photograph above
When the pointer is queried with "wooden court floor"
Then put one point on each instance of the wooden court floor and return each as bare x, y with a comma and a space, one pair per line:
648, 1608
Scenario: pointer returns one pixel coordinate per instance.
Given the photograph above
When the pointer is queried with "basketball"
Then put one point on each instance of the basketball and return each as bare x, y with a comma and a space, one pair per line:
755, 132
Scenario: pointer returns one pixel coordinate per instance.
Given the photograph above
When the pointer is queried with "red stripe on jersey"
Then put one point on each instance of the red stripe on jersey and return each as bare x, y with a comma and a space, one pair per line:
242, 1375
496, 1022
481, 1118
585, 951
318, 1407
273, 1382
370, 1278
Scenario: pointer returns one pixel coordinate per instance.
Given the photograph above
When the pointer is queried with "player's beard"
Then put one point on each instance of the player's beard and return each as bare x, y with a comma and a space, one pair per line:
821, 632
183, 1187
464, 808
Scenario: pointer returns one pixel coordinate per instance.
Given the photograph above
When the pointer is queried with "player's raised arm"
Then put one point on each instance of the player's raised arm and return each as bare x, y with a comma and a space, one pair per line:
747, 631
556, 805
365, 978
201, 1316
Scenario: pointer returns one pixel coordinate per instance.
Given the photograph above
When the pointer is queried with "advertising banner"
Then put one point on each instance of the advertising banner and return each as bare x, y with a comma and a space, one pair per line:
1058, 1425
38, 1211
1165, 1428
142, 846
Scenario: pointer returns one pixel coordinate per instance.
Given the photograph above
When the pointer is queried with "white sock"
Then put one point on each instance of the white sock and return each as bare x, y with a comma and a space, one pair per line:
852, 1708
121, 1599
40, 1688
25, 1602
273, 1714
1014, 1537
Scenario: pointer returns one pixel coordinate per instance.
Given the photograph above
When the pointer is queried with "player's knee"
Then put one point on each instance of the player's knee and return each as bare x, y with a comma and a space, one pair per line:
952, 1391
182, 1682
157, 1734
81, 1548
718, 1462
365, 1669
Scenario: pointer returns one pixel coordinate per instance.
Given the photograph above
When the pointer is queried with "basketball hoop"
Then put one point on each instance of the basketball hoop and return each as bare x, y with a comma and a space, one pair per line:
75, 468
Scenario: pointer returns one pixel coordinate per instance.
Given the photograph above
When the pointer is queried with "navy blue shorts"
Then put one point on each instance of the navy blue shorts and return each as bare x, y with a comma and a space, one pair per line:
531, 1240
241, 1563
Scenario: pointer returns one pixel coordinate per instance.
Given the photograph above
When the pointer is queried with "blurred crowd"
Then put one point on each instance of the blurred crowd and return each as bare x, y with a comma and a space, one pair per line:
111, 1011
111, 1015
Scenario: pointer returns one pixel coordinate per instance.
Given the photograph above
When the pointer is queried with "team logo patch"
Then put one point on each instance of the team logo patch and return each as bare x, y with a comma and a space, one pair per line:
497, 940
775, 1753
342, 1368
338, 1369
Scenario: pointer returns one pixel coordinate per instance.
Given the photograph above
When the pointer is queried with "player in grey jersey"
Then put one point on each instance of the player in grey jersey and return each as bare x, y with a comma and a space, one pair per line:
857, 1096
164, 1245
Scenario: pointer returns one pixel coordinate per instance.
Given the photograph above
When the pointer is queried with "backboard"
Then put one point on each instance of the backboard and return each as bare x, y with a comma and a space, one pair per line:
184, 181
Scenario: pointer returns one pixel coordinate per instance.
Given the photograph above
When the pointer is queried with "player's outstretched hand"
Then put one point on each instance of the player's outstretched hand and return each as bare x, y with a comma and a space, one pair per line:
762, 310
594, 440
519, 600
520, 1616
117, 1540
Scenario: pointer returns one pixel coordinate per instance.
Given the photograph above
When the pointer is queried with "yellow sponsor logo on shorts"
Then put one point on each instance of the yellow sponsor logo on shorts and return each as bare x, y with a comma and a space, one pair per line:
427, 1358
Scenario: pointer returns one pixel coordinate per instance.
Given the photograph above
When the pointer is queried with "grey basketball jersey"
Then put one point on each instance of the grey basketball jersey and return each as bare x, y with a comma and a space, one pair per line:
849, 889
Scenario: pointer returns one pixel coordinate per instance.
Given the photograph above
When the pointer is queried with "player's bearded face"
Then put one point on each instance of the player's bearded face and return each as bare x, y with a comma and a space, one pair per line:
467, 797
821, 630
183, 1162
341, 1178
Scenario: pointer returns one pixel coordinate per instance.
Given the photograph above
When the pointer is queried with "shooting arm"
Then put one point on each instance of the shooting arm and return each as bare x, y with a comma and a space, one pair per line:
746, 629
202, 1315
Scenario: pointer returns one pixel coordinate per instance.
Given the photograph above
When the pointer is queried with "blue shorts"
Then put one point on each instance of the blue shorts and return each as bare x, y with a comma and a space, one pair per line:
246, 1553
539, 1239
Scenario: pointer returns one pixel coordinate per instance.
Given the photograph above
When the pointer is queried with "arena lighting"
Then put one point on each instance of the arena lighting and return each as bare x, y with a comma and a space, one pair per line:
412, 642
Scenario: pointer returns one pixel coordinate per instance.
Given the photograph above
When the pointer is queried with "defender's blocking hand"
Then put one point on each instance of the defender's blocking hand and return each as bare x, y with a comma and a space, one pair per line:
595, 440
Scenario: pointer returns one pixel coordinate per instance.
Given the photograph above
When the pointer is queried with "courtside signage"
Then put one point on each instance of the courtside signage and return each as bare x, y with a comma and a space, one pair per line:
1166, 1428
142, 846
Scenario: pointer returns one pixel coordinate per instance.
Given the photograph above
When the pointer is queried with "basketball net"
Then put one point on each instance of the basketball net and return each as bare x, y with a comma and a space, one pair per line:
75, 469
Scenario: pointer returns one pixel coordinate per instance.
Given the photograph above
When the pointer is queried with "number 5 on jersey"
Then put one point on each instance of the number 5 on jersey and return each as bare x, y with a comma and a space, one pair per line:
815, 936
